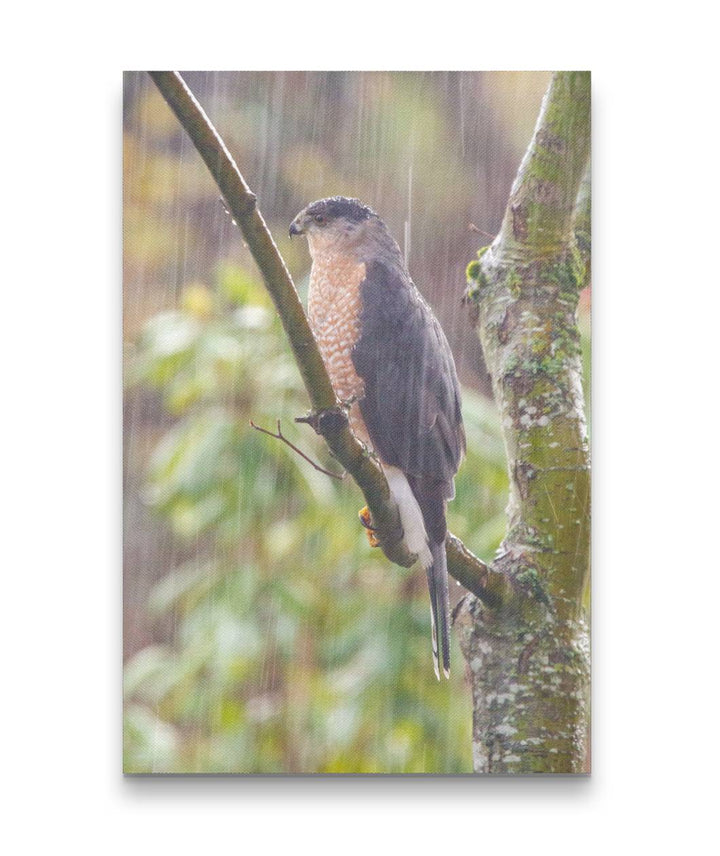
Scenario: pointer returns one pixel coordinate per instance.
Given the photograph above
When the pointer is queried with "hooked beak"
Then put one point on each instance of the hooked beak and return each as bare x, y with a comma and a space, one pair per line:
295, 229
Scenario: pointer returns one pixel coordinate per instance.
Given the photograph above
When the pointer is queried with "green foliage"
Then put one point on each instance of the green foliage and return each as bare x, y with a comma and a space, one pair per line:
472, 271
294, 647
476, 279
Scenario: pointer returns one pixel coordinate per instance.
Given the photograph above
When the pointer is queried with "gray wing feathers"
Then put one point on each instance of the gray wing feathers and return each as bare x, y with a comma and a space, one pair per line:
411, 409
412, 397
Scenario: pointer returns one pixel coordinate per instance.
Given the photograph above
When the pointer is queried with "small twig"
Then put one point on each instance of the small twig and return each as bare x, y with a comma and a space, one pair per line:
311, 419
473, 228
281, 436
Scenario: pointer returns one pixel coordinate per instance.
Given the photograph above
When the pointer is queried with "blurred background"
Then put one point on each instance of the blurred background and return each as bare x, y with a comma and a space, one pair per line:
261, 632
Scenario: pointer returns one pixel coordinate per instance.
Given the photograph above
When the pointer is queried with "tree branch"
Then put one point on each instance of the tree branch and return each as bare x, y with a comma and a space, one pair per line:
284, 439
524, 290
582, 224
329, 417
539, 217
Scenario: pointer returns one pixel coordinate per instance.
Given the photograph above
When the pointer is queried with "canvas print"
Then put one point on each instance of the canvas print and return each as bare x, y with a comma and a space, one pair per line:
356, 422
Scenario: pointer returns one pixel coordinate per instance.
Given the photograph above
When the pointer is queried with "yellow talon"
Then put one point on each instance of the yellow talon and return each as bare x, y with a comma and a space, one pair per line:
366, 520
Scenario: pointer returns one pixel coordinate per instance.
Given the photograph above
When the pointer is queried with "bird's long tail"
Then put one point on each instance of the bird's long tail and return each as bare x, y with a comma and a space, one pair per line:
437, 577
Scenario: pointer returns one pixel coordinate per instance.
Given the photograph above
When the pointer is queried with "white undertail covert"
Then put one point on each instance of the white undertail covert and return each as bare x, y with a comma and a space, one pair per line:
415, 536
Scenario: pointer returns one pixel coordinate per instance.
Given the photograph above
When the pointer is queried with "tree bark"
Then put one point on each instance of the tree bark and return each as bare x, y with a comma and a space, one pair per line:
529, 660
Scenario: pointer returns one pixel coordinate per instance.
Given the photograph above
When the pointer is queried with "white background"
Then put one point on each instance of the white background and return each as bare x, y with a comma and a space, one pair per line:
655, 422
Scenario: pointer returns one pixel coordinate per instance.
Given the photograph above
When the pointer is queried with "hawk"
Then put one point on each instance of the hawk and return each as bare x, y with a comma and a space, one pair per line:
386, 352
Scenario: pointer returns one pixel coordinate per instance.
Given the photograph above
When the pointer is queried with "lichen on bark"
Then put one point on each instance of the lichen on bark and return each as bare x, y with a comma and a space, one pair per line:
529, 660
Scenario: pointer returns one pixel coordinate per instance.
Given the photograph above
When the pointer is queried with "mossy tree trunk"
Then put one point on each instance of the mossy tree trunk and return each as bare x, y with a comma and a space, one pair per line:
528, 661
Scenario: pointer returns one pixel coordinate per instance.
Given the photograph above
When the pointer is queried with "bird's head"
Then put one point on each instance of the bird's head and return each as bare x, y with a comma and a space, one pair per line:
336, 224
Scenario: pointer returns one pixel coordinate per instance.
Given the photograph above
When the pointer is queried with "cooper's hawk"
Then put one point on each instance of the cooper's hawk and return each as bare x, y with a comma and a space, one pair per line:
384, 348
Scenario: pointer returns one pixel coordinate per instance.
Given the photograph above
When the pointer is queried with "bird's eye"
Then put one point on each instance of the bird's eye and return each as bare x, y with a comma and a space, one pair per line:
319, 219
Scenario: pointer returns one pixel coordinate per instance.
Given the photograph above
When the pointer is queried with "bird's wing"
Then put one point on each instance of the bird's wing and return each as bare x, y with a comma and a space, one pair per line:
411, 405
411, 408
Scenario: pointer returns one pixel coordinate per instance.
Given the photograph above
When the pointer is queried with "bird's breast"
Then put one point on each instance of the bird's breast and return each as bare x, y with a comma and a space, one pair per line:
334, 307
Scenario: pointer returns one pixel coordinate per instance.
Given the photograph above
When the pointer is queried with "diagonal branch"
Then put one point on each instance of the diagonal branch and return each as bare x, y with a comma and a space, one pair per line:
329, 417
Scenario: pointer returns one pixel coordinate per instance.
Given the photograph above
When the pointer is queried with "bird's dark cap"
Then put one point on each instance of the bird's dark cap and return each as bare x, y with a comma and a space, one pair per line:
341, 206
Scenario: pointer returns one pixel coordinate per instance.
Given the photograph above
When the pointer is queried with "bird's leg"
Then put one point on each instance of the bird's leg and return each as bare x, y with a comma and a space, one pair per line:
348, 403
366, 520
328, 421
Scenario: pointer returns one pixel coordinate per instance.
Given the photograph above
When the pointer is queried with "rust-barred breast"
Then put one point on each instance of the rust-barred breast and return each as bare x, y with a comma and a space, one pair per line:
334, 311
